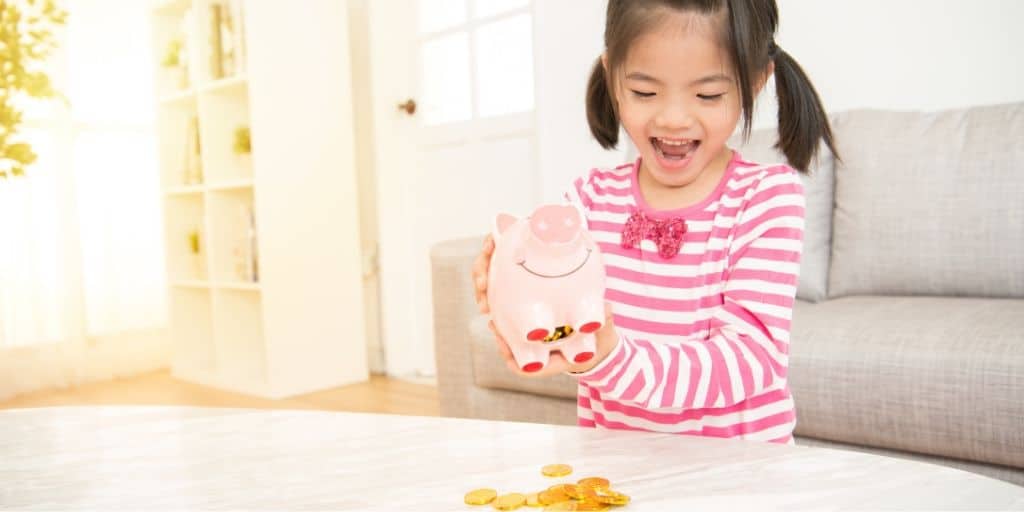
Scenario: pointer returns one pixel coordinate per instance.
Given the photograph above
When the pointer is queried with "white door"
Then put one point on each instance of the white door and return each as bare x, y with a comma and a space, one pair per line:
467, 150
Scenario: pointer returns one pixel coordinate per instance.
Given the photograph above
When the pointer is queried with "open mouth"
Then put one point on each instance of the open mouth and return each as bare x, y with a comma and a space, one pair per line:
674, 150
550, 276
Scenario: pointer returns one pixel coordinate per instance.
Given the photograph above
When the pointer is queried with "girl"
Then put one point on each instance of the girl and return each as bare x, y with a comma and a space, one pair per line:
701, 247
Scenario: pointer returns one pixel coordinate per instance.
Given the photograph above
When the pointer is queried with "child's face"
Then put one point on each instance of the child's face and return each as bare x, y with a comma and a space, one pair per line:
678, 101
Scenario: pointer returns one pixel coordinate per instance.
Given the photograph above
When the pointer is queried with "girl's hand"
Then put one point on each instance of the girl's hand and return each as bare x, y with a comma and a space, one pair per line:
607, 340
481, 268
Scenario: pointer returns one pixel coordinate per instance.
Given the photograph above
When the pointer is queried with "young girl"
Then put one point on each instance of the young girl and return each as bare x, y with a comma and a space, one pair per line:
701, 247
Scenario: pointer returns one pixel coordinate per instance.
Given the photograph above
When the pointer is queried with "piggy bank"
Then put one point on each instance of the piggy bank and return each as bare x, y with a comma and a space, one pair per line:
546, 286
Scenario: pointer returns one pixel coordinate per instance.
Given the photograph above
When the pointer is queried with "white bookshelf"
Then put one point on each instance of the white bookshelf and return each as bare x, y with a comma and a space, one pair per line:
263, 258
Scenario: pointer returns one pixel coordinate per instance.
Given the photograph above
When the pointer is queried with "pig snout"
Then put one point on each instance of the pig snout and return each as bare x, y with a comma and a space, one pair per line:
555, 224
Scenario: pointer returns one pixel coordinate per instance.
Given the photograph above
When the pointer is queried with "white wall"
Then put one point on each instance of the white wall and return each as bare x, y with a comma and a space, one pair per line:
904, 54
568, 37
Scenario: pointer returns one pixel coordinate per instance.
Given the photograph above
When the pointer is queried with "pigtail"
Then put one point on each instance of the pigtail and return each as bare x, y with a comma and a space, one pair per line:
803, 122
601, 116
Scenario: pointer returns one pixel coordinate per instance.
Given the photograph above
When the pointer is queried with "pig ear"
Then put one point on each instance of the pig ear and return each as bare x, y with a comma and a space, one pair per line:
501, 223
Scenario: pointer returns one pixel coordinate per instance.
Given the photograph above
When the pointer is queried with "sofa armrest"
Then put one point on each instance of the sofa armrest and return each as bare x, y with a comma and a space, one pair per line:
454, 307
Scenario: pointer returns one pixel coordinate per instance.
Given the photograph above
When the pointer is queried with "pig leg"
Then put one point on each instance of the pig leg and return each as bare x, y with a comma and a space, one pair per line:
530, 357
588, 316
579, 349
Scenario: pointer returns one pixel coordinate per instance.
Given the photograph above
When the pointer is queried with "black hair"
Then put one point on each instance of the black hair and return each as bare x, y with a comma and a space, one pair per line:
747, 31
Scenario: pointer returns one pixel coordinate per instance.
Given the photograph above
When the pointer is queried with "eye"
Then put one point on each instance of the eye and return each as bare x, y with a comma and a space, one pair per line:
641, 94
710, 97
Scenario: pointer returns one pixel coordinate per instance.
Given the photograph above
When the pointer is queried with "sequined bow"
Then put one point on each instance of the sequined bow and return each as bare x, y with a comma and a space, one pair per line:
667, 234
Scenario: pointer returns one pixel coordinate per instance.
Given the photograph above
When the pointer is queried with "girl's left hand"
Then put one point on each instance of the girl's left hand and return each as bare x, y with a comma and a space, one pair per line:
607, 339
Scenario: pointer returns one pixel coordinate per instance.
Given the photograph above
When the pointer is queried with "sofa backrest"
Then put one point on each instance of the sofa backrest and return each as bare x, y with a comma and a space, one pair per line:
929, 203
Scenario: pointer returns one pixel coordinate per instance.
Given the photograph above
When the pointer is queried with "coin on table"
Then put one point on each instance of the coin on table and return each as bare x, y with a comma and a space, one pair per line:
611, 497
509, 501
550, 497
579, 492
533, 500
556, 470
480, 496
595, 482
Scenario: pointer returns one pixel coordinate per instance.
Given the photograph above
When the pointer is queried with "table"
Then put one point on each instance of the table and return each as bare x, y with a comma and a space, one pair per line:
188, 458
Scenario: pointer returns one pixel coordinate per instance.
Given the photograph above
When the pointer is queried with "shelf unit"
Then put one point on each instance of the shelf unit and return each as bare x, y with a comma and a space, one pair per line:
259, 304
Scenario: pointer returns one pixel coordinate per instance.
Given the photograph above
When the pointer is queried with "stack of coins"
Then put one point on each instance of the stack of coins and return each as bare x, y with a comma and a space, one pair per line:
592, 493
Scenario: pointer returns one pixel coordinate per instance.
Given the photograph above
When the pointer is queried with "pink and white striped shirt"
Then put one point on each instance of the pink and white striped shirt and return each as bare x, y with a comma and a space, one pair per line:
703, 335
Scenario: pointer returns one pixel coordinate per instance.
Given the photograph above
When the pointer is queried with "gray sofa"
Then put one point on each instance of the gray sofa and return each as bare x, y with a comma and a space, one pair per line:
908, 332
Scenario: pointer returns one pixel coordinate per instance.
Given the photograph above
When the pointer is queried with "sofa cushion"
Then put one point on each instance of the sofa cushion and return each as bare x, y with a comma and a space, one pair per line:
941, 376
930, 203
818, 185
489, 368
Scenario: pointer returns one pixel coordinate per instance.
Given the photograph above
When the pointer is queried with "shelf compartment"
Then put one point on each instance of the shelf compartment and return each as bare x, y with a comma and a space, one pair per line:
233, 251
180, 160
239, 340
186, 242
227, 111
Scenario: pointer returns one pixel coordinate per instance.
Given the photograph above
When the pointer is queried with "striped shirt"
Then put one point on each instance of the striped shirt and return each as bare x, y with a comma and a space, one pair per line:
703, 335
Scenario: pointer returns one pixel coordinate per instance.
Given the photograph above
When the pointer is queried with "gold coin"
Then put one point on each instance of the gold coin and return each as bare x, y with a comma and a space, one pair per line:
591, 505
550, 497
611, 497
561, 489
579, 492
509, 501
561, 506
480, 496
595, 482
556, 470
533, 500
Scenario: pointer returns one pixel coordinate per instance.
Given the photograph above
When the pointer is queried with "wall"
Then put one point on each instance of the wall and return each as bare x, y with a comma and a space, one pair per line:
904, 54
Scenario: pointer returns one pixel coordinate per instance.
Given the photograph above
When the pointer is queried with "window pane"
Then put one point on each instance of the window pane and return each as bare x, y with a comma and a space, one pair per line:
110, 81
445, 79
119, 213
438, 15
504, 66
485, 8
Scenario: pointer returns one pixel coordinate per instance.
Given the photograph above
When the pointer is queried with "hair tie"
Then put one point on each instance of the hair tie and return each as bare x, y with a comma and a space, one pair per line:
773, 50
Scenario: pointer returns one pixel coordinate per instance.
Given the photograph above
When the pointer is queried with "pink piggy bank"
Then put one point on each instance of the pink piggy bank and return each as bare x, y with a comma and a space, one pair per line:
546, 286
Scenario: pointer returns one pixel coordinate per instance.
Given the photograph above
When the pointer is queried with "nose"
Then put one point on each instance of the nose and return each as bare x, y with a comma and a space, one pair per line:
675, 115
555, 224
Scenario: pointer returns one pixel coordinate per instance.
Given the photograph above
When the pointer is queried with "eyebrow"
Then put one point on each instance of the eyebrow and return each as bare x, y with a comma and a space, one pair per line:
643, 77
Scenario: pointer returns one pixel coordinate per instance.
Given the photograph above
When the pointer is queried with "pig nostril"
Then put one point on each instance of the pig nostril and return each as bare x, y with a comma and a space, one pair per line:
583, 357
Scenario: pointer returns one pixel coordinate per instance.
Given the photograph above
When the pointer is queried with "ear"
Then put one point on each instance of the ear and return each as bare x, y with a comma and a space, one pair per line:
604, 62
501, 223
768, 72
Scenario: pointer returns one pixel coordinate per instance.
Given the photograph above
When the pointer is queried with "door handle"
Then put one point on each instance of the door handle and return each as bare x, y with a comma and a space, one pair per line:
409, 106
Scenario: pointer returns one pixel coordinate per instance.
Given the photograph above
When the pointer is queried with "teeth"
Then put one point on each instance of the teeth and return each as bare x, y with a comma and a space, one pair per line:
668, 142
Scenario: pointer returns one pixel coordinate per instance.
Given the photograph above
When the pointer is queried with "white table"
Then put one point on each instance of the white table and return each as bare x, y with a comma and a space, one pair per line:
184, 458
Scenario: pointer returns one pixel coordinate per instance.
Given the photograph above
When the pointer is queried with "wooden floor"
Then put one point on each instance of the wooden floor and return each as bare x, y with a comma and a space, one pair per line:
380, 395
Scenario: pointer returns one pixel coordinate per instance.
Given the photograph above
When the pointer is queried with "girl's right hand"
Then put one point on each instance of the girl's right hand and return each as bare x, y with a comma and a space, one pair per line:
480, 270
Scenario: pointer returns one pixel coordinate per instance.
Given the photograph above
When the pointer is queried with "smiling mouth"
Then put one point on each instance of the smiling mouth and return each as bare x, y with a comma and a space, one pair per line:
573, 271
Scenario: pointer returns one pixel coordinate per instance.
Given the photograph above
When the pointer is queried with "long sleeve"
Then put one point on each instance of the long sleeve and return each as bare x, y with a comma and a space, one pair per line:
746, 351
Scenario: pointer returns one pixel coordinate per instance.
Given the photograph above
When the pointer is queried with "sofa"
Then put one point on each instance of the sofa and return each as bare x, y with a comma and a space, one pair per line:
908, 330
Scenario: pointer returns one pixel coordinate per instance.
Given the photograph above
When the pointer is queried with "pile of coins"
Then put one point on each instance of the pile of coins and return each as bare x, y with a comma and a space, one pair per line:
593, 493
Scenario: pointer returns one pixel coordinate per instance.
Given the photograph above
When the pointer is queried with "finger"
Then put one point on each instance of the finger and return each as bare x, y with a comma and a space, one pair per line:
488, 244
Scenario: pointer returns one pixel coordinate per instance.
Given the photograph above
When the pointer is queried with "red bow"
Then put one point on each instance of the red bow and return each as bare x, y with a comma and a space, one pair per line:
667, 233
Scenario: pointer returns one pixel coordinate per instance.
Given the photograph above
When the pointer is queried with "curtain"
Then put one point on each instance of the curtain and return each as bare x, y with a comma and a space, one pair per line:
82, 284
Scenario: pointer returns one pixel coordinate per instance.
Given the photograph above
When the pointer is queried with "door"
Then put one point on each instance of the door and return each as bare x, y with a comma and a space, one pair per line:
453, 93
